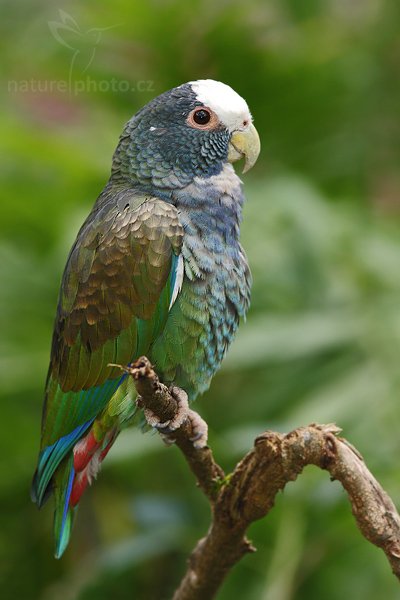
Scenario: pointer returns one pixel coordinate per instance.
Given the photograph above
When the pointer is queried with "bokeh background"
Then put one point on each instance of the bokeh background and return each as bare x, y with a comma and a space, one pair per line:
321, 228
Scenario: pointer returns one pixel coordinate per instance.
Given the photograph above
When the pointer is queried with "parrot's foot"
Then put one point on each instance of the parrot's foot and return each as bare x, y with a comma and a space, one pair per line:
198, 427
199, 431
199, 435
182, 410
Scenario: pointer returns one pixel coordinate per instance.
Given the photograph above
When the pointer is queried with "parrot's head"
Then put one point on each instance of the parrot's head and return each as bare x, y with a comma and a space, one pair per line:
189, 131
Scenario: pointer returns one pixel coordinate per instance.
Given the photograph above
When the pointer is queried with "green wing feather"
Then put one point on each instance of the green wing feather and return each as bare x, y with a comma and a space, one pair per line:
114, 301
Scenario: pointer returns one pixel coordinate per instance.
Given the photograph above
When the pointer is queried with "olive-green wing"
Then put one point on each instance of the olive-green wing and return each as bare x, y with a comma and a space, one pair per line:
115, 295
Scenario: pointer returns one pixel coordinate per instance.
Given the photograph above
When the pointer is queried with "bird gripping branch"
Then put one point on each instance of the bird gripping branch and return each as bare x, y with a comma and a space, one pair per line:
157, 269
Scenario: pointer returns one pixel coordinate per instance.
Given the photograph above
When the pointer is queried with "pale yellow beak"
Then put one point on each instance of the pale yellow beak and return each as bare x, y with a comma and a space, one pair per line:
244, 144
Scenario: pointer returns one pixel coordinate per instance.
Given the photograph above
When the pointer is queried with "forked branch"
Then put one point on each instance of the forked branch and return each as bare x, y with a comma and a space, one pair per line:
249, 492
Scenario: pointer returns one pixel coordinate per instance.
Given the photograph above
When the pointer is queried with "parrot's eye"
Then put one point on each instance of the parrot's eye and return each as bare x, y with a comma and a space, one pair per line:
201, 117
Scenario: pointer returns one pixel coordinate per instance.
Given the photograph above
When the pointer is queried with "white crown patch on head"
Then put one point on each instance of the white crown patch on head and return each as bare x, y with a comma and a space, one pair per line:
231, 109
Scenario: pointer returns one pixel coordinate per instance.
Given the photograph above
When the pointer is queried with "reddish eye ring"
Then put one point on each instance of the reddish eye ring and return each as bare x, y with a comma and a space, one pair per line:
202, 117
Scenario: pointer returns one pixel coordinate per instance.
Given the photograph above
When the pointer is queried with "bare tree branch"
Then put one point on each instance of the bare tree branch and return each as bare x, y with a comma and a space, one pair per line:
155, 395
249, 492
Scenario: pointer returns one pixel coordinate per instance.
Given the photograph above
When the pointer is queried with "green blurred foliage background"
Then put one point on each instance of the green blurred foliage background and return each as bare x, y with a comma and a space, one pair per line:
321, 228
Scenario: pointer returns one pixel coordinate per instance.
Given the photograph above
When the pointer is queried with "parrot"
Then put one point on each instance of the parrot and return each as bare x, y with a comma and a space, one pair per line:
157, 269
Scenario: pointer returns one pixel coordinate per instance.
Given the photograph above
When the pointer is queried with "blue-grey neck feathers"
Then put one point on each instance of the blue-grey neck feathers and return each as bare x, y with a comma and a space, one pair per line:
158, 150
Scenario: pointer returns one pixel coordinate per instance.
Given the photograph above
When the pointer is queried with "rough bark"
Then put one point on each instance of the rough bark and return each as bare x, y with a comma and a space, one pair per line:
249, 492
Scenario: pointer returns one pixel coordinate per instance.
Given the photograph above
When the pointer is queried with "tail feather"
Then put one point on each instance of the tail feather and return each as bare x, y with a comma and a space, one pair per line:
71, 480
63, 513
